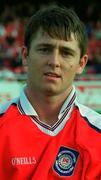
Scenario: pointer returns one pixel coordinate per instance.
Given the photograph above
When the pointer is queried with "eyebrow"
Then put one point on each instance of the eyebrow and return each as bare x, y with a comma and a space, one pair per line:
45, 45
68, 49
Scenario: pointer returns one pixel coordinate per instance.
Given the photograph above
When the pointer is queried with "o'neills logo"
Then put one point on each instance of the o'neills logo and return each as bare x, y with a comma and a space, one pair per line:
23, 160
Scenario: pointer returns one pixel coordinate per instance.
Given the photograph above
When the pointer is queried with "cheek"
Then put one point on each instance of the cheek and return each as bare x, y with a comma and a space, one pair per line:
71, 71
71, 67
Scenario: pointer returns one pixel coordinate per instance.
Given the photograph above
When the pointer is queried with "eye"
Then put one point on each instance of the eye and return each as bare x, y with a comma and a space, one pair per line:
44, 50
66, 53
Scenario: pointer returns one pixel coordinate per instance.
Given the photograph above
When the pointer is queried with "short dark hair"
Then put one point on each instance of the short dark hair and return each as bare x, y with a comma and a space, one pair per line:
58, 22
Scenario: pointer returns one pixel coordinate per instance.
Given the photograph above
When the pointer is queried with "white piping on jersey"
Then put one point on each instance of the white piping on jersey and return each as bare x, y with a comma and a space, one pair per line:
26, 108
57, 129
92, 116
62, 115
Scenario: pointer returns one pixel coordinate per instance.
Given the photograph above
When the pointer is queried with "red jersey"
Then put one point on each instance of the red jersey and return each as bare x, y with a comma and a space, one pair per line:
33, 150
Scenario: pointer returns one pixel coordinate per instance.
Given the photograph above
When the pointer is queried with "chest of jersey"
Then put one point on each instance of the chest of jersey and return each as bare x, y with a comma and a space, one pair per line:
30, 153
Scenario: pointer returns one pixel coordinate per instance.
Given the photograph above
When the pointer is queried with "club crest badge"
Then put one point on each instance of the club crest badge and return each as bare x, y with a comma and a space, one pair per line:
65, 161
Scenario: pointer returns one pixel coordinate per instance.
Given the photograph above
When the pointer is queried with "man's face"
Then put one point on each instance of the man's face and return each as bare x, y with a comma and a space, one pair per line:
52, 63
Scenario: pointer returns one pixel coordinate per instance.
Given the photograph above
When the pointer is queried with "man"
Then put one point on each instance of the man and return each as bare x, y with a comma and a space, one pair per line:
45, 134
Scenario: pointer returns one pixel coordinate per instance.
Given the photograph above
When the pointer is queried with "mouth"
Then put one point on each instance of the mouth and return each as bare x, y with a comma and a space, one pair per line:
50, 74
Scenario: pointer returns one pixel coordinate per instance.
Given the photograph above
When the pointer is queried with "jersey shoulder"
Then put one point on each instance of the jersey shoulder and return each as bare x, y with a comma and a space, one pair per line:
6, 105
92, 117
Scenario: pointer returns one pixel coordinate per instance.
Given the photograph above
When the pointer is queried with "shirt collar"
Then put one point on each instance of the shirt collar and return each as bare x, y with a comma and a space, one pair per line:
25, 106
69, 100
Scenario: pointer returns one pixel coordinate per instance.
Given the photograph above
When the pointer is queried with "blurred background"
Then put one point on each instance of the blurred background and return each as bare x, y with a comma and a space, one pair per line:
13, 19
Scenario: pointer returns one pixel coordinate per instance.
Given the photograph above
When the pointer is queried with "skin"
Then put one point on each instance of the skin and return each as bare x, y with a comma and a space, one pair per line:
51, 68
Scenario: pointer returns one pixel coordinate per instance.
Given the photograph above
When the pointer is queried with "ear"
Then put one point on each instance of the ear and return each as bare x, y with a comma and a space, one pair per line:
24, 53
82, 64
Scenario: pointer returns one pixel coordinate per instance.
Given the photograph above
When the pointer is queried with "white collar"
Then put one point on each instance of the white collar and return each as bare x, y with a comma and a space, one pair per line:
25, 106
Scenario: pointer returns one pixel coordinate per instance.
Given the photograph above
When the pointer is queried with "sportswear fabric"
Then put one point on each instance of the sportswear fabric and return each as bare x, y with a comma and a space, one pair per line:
33, 150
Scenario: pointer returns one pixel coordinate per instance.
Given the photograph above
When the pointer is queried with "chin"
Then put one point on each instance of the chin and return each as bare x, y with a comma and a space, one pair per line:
51, 91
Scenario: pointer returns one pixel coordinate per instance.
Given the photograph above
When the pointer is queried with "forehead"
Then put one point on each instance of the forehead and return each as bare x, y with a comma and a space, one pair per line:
43, 38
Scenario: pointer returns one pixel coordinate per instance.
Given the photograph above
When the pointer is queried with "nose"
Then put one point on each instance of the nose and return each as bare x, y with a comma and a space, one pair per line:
54, 59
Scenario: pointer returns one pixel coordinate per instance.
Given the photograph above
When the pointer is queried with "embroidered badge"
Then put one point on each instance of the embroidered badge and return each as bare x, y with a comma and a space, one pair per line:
65, 161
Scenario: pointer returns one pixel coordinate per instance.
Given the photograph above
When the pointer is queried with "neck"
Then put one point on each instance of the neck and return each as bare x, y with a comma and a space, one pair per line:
47, 107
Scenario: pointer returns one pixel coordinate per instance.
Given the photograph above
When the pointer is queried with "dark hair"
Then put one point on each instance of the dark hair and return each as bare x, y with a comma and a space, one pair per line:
58, 22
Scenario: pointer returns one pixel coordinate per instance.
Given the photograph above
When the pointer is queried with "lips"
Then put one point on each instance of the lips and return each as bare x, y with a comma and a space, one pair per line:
51, 74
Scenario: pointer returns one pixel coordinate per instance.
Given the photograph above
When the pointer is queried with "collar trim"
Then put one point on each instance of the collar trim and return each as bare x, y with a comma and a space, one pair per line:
25, 107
